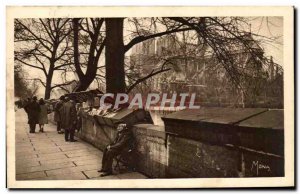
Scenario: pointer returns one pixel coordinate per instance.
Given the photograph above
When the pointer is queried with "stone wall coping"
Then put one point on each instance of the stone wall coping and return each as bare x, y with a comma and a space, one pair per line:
215, 114
272, 119
242, 117
151, 130
130, 115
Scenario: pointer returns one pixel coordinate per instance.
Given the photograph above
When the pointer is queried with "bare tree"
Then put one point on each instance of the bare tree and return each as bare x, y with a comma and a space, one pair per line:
88, 43
43, 44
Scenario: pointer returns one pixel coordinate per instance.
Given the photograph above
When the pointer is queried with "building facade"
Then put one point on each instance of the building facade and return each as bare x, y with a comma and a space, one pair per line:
253, 81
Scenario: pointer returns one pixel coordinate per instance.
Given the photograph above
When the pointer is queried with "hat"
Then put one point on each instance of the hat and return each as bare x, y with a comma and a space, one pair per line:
121, 122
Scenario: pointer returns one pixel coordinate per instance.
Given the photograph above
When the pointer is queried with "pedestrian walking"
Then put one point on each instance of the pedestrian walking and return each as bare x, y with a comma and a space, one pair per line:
69, 119
43, 114
57, 116
25, 106
33, 110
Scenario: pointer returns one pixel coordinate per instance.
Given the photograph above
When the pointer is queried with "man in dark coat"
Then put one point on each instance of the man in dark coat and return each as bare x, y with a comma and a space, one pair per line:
25, 106
33, 110
57, 116
123, 141
68, 119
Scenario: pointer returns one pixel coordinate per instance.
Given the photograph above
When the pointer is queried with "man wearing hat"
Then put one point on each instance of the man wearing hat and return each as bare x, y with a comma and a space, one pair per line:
122, 142
69, 118
57, 116
33, 110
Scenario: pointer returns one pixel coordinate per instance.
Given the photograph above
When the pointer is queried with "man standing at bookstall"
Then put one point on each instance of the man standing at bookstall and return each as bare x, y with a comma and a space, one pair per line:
69, 118
57, 116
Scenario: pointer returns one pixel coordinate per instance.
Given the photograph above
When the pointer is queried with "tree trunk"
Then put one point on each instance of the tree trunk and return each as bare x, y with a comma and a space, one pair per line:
114, 56
85, 79
48, 83
48, 89
85, 82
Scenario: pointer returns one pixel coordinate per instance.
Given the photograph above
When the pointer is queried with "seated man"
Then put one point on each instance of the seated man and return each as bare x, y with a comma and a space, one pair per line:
122, 142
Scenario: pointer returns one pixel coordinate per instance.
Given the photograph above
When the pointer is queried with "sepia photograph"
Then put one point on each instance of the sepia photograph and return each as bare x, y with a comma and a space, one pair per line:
150, 97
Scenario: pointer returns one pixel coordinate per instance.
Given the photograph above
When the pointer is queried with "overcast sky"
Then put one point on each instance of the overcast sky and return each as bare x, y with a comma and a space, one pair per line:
270, 27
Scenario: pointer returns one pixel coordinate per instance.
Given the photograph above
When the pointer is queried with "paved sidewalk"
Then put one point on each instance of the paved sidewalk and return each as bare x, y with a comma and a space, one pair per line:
46, 156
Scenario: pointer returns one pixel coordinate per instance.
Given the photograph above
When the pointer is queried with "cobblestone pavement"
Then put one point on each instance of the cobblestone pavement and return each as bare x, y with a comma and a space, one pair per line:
46, 156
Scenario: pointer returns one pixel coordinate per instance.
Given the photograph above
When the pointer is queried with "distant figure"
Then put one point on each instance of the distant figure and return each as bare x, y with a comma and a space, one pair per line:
122, 142
33, 110
25, 105
68, 119
57, 116
43, 116
79, 110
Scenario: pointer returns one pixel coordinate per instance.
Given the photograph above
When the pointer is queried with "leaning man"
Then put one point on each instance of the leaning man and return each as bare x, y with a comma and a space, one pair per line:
122, 142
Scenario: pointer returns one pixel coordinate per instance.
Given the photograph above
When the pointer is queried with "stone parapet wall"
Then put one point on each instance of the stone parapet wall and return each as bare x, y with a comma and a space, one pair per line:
151, 150
189, 158
205, 143
98, 135
225, 142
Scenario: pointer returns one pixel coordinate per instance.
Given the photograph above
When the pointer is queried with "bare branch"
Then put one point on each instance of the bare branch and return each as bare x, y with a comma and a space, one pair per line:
139, 39
153, 73
63, 84
29, 64
33, 34
50, 34
39, 80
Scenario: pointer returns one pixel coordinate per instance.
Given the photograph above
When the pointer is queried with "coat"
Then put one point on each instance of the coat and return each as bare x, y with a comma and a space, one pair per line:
57, 107
123, 140
43, 115
68, 115
33, 110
